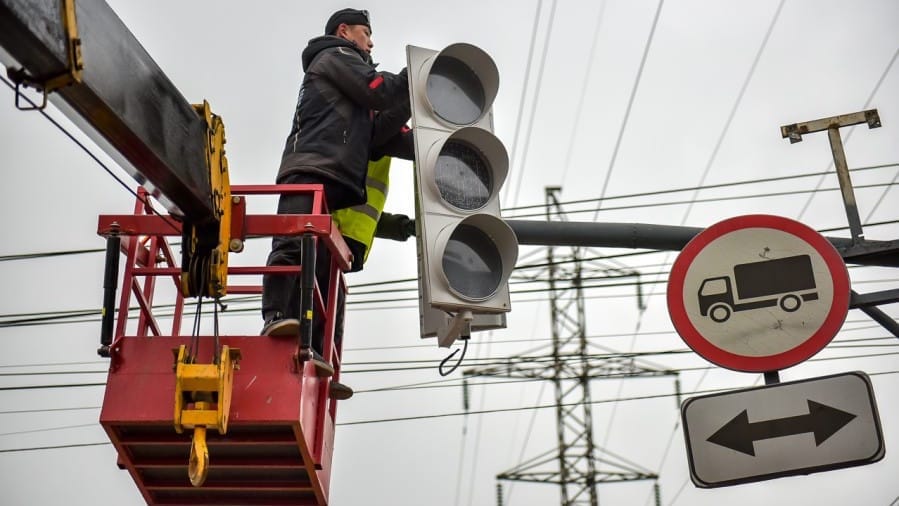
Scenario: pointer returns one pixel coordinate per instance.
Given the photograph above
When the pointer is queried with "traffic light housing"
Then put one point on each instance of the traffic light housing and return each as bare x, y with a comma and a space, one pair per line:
466, 251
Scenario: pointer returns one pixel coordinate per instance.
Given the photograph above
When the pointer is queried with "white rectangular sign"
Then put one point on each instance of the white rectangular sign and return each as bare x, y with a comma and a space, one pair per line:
785, 429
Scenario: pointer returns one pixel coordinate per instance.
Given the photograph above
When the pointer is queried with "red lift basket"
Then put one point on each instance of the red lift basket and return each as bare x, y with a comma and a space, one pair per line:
279, 443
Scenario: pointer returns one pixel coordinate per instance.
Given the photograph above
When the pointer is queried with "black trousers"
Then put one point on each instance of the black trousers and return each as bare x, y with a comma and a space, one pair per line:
281, 293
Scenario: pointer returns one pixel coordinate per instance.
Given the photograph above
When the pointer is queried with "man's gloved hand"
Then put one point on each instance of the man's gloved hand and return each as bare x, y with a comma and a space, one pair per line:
397, 227
409, 227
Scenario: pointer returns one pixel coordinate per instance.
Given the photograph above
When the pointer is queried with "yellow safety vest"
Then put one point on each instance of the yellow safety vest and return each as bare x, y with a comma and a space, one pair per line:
359, 222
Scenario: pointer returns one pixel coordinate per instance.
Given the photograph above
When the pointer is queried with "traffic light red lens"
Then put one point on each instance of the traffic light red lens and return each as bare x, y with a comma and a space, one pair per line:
463, 176
455, 91
472, 263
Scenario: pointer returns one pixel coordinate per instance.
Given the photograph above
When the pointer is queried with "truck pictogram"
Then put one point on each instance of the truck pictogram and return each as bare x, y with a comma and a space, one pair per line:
783, 282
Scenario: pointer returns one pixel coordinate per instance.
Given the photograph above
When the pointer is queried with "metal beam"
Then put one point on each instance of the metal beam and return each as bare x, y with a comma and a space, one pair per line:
671, 238
123, 101
832, 125
873, 299
866, 303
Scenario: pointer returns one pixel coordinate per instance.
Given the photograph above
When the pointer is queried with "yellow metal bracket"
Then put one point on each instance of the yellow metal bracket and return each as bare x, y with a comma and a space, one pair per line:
203, 401
207, 273
74, 63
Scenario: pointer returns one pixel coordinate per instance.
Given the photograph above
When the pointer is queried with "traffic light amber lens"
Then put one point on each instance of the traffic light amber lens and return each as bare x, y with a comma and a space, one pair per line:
455, 91
463, 176
472, 263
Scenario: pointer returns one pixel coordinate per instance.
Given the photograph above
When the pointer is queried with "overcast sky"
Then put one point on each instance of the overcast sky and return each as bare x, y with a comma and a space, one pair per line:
605, 99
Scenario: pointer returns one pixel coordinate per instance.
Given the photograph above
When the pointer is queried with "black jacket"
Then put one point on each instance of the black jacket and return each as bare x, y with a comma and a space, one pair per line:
335, 122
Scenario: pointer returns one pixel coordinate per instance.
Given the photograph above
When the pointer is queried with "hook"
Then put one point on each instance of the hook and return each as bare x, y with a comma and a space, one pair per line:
198, 464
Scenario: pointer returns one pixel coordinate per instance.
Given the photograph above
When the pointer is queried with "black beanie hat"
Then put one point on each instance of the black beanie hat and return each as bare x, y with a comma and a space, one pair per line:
348, 16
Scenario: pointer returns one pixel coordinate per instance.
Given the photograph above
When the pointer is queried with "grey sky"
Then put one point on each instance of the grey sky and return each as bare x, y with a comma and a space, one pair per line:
717, 82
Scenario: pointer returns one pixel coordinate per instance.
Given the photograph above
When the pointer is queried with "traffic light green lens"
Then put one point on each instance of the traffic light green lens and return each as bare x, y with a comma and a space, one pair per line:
455, 91
463, 176
472, 263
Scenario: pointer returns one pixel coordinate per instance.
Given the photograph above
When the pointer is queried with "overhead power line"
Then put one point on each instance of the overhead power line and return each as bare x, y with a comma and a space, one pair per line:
49, 254
548, 406
56, 447
447, 415
540, 73
692, 201
540, 209
852, 130
737, 102
90, 154
745, 182
630, 104
93, 316
524, 88
500, 361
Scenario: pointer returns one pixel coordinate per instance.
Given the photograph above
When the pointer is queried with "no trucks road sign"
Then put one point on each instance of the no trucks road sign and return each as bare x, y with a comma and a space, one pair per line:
758, 293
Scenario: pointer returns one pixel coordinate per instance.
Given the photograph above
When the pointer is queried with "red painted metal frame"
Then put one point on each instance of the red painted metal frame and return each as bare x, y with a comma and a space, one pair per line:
280, 438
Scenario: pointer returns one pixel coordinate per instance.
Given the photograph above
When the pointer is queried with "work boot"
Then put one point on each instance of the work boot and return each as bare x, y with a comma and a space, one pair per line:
339, 391
322, 368
280, 327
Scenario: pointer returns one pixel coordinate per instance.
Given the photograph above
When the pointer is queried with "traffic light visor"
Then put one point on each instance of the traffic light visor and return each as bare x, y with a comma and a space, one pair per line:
478, 256
461, 84
468, 168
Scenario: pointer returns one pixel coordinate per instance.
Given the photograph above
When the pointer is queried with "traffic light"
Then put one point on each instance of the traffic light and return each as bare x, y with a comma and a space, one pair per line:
466, 251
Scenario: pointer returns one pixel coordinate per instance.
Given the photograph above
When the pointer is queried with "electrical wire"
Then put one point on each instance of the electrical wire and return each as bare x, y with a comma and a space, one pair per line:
551, 406
852, 130
48, 429
98, 250
92, 156
455, 414
535, 357
822, 178
56, 447
540, 210
49, 254
65, 317
689, 203
46, 410
534, 101
608, 175
44, 387
524, 90
425, 417
504, 361
579, 108
731, 184
736, 104
630, 104
882, 197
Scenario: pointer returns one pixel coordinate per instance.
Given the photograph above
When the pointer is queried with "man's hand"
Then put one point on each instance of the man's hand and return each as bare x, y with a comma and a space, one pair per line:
397, 227
409, 227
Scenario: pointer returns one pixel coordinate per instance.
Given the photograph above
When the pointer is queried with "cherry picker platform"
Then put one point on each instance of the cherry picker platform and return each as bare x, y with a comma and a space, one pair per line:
279, 438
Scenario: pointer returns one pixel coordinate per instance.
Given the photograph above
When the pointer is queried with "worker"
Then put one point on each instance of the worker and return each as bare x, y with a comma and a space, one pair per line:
336, 122
360, 224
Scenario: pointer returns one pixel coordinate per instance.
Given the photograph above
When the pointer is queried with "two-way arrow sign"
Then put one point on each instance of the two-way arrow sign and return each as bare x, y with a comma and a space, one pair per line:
739, 434
779, 430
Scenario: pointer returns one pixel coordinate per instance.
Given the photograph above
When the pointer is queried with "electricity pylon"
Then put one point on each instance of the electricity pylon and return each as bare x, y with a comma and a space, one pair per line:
581, 464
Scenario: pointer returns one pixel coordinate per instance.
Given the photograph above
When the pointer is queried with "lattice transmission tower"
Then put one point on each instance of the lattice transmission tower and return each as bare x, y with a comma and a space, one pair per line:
576, 464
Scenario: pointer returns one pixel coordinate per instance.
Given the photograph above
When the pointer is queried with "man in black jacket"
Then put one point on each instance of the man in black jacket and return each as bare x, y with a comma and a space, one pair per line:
345, 107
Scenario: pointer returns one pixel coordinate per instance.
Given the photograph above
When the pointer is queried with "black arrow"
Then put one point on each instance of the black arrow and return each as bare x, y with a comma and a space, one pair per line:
738, 434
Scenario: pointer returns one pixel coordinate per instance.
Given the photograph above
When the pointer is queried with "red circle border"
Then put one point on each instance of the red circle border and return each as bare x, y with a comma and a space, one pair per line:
839, 307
